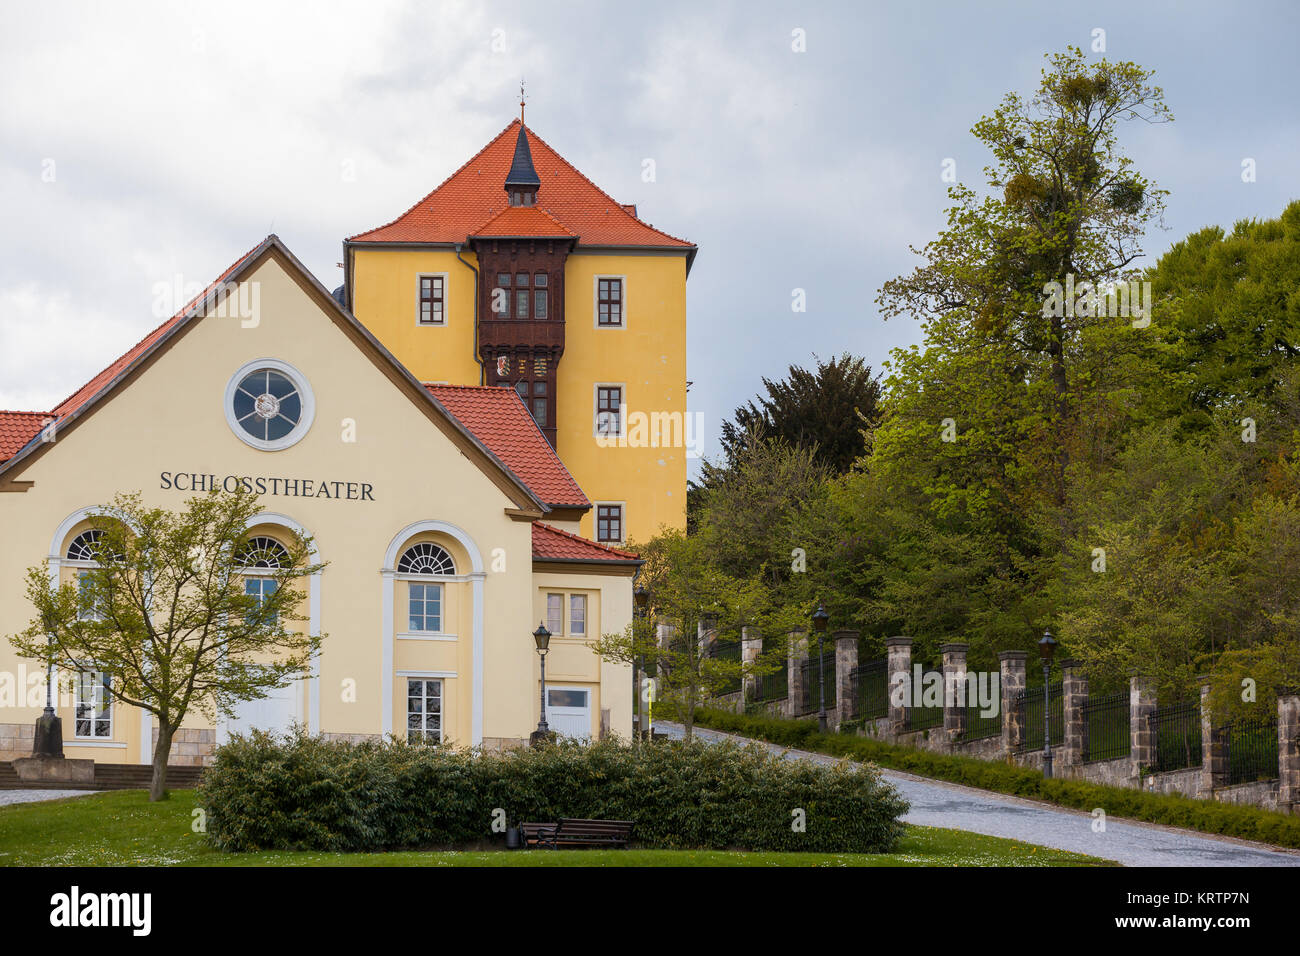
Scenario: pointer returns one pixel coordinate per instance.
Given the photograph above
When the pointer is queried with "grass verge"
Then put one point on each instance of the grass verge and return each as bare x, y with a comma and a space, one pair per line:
122, 828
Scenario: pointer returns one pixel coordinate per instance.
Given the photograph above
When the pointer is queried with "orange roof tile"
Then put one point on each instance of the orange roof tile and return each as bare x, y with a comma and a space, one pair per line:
475, 193
17, 429
523, 221
497, 417
550, 543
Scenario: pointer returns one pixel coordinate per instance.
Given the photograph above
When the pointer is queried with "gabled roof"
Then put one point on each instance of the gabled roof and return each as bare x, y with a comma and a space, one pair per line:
86, 399
474, 194
501, 421
552, 544
523, 222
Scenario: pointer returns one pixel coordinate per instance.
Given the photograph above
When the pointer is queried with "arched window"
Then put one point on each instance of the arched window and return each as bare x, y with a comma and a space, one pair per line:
85, 546
262, 552
426, 558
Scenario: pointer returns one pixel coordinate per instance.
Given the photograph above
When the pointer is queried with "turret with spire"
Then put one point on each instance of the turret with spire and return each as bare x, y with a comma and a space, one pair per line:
522, 182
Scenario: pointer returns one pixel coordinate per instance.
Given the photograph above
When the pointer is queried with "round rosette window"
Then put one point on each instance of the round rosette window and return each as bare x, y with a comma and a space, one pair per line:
269, 404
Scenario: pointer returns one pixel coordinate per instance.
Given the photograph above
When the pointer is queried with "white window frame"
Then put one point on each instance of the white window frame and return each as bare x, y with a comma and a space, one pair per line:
558, 630
446, 295
305, 394
596, 412
99, 679
442, 701
414, 580
595, 515
595, 301
586, 606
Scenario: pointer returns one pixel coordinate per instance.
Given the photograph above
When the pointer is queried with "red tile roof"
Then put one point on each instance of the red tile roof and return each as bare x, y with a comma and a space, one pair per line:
523, 221
17, 429
475, 194
549, 542
497, 416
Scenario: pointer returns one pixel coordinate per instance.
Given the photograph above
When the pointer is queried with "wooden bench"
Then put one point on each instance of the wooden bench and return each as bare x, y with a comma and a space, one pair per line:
568, 832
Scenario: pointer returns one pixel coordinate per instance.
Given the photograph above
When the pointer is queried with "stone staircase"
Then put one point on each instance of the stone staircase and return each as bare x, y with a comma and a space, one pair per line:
108, 776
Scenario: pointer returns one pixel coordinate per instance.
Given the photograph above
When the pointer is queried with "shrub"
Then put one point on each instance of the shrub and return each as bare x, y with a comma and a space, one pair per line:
1208, 816
304, 793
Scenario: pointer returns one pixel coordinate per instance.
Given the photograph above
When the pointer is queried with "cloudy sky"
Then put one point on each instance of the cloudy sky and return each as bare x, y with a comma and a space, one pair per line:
155, 142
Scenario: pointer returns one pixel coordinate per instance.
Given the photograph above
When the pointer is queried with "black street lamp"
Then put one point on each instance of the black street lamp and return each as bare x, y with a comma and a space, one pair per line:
820, 619
542, 637
641, 595
1046, 648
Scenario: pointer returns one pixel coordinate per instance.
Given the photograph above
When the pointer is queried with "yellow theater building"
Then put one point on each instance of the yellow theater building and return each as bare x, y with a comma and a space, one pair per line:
446, 522
518, 271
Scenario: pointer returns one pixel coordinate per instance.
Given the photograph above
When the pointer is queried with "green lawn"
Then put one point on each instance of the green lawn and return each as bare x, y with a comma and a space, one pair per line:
122, 828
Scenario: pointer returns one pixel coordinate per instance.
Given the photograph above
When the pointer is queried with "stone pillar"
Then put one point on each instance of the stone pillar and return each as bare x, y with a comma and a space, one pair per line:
1074, 691
1214, 748
751, 646
846, 659
1288, 753
796, 654
899, 651
954, 690
1142, 742
1011, 666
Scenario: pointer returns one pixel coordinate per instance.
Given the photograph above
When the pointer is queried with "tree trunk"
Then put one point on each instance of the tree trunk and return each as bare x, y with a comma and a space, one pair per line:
158, 785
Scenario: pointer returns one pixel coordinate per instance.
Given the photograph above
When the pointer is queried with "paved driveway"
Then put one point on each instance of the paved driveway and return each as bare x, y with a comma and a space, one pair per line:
938, 804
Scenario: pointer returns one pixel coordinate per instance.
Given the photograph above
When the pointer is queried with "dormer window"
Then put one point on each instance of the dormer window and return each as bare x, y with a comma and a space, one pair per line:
523, 197
522, 182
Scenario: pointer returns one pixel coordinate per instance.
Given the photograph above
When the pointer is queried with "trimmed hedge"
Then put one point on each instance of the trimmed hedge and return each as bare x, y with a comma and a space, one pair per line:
305, 793
1208, 816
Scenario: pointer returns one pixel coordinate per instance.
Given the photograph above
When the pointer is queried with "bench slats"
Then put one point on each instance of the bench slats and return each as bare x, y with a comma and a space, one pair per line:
569, 831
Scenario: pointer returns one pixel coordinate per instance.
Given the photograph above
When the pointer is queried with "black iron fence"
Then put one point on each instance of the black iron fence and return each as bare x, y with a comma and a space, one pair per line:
924, 717
1106, 727
774, 685
1251, 749
728, 655
870, 684
816, 671
979, 724
1177, 733
1030, 707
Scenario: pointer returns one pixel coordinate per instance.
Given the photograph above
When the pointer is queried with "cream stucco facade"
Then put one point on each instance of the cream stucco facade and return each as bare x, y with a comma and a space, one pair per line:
379, 469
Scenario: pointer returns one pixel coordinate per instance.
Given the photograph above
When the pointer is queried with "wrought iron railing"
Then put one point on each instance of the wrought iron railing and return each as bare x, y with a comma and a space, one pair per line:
978, 724
730, 653
1030, 706
1251, 749
870, 683
924, 717
1106, 727
774, 685
814, 671
1176, 730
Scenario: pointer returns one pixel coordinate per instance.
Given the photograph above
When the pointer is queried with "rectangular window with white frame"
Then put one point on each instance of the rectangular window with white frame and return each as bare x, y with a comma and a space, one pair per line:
555, 613
90, 610
94, 706
423, 711
610, 301
578, 615
609, 401
432, 299
425, 608
609, 522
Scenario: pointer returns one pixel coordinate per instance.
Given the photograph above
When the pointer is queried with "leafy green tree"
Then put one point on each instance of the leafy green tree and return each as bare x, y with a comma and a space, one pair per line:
164, 613
821, 411
687, 590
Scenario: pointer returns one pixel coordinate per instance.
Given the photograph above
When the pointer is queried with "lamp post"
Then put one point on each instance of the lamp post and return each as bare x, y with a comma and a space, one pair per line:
1046, 648
542, 638
820, 619
641, 595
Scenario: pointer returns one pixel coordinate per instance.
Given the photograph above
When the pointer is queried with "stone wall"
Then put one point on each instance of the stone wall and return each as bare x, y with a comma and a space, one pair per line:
16, 740
191, 747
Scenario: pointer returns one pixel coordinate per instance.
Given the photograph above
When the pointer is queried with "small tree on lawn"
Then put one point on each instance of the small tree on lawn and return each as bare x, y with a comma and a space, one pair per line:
166, 616
686, 590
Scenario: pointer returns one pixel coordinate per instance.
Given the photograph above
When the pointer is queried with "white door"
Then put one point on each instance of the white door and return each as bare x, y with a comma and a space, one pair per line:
274, 712
568, 711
